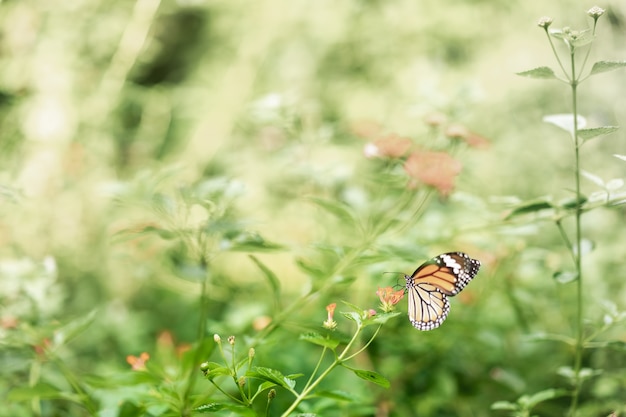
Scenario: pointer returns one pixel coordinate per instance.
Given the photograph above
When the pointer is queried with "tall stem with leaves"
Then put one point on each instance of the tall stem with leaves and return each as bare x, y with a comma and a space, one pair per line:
575, 42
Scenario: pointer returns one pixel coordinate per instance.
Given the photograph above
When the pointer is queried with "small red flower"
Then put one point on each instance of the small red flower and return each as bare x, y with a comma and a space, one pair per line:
330, 323
389, 298
437, 169
138, 363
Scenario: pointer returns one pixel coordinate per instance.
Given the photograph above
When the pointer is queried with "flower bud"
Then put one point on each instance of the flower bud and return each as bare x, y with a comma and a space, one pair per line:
595, 12
544, 22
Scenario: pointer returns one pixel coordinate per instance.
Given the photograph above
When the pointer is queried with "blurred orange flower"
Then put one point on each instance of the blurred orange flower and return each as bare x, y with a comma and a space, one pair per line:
437, 169
330, 323
389, 298
389, 146
458, 131
138, 363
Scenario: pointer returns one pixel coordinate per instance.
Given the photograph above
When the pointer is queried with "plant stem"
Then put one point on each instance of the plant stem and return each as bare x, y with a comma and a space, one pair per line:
305, 392
578, 242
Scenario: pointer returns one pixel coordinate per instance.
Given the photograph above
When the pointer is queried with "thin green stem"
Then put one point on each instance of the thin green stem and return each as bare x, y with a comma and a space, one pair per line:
338, 360
365, 345
578, 243
568, 243
556, 55
317, 367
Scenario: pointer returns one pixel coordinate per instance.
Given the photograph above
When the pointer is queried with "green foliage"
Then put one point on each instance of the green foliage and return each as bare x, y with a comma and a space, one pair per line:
175, 171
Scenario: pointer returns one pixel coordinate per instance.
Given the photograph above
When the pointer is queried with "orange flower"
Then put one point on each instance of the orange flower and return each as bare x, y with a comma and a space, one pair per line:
437, 169
330, 323
390, 146
138, 363
389, 298
458, 131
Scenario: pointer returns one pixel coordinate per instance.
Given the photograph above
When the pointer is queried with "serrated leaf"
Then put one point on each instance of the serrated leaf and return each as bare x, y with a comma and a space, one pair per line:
540, 72
564, 277
604, 66
372, 376
320, 340
336, 395
272, 279
272, 375
586, 134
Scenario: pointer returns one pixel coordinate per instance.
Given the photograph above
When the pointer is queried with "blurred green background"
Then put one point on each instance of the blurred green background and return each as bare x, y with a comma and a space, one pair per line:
105, 104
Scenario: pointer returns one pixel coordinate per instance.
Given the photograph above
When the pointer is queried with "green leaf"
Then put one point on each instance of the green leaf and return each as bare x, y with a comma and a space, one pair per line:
310, 269
72, 329
354, 316
504, 405
382, 318
336, 395
604, 66
215, 369
271, 277
565, 277
617, 345
263, 386
272, 375
43, 391
529, 207
320, 340
239, 410
586, 134
572, 203
354, 307
545, 395
253, 242
340, 210
565, 121
540, 72
372, 376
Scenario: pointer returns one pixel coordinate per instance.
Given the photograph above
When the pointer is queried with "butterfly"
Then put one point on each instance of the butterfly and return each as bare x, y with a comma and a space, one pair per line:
433, 282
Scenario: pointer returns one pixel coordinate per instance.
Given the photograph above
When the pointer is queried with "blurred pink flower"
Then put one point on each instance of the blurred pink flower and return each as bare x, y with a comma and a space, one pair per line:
436, 169
389, 146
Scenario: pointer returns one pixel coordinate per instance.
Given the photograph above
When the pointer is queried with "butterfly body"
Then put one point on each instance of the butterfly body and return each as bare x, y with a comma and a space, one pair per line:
433, 282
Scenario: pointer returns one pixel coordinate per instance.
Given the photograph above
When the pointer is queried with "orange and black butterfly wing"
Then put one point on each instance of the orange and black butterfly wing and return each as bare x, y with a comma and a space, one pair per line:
430, 285
449, 272
428, 307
